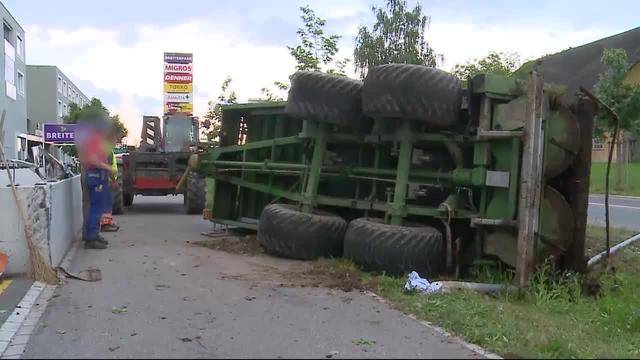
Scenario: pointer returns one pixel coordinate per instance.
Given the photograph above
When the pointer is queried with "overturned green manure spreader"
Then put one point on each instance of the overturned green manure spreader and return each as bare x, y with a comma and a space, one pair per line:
407, 170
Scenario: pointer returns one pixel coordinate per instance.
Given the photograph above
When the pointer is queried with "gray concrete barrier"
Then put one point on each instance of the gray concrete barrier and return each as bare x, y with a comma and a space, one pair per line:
54, 209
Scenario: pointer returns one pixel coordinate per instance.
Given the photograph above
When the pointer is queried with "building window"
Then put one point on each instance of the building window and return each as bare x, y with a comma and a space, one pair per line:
75, 96
7, 33
69, 92
20, 83
59, 108
20, 47
598, 144
64, 88
59, 84
65, 112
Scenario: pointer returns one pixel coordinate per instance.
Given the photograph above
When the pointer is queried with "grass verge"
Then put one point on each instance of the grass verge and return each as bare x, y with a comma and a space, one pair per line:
598, 171
551, 319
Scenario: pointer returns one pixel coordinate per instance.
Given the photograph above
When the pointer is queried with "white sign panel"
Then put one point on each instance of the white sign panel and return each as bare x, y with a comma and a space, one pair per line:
178, 97
178, 68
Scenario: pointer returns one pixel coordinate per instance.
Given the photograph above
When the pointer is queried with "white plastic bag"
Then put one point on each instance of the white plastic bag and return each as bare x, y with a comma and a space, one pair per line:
416, 283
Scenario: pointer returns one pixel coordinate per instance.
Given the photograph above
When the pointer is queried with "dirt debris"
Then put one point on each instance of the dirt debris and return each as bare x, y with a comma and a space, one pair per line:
323, 273
316, 274
244, 245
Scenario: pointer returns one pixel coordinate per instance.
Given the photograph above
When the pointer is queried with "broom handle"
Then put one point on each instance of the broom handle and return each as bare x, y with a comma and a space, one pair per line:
27, 226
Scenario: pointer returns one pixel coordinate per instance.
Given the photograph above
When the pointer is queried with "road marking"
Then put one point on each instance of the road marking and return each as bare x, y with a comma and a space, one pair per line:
617, 206
4, 284
617, 196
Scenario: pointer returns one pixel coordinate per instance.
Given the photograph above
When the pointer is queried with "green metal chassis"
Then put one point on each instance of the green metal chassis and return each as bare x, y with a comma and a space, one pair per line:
266, 156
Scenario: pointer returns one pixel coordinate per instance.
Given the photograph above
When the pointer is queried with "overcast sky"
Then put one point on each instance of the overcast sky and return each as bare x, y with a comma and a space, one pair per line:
113, 49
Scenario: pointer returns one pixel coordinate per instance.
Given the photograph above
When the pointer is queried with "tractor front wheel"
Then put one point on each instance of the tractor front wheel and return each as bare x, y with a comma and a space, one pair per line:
195, 196
127, 199
118, 197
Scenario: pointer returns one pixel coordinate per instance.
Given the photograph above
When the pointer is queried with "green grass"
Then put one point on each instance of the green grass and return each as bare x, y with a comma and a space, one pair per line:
551, 319
598, 171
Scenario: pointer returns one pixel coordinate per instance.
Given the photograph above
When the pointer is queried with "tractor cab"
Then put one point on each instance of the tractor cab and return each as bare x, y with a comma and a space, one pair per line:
156, 167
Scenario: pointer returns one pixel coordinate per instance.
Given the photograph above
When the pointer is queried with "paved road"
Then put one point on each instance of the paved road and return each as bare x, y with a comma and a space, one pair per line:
222, 305
624, 211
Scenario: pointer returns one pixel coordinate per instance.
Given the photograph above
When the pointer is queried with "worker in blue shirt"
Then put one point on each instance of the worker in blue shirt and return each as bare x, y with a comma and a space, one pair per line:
90, 142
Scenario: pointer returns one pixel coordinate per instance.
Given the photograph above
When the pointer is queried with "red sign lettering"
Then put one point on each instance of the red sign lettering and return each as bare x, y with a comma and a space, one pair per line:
177, 68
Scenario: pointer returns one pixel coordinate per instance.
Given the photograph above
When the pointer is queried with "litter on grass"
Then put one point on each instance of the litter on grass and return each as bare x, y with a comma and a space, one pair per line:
416, 283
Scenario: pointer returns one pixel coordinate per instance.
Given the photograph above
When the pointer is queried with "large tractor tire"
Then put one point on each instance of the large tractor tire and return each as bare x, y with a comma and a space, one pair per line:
412, 92
127, 199
195, 196
118, 197
285, 231
325, 98
396, 250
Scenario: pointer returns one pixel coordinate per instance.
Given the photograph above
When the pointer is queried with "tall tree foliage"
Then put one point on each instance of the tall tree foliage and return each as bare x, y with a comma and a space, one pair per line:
271, 95
398, 36
92, 110
316, 50
623, 97
494, 63
214, 113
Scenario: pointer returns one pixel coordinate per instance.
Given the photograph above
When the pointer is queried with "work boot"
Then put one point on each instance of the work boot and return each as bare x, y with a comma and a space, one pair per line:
95, 244
102, 240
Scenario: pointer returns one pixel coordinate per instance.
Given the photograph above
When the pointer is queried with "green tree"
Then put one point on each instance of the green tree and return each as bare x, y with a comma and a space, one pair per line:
315, 52
95, 109
270, 95
398, 36
494, 63
316, 49
623, 97
213, 117
90, 111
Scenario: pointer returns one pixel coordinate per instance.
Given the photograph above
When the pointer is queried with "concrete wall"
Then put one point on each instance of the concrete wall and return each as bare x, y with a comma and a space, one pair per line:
54, 210
16, 118
41, 96
65, 217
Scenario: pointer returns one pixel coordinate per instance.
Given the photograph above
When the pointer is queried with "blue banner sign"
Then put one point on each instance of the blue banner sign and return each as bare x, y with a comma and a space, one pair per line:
59, 133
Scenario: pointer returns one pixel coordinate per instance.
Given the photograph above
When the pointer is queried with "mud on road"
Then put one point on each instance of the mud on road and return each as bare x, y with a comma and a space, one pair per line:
325, 273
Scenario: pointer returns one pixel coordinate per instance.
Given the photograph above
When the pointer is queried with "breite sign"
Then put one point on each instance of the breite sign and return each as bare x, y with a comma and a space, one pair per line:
59, 133
178, 83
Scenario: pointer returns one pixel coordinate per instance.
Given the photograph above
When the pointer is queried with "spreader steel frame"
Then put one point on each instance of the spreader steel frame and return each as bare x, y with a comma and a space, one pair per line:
377, 169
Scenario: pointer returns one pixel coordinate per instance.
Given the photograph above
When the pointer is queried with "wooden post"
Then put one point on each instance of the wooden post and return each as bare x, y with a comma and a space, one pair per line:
579, 178
531, 180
